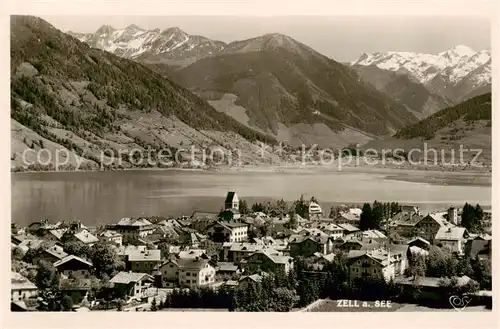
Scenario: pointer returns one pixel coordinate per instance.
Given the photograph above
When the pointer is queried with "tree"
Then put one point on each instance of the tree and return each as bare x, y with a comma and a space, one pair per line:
243, 208
301, 207
472, 218
282, 299
258, 207
417, 266
17, 253
154, 307
66, 303
47, 276
281, 207
366, 218
105, 260
77, 248
377, 215
292, 222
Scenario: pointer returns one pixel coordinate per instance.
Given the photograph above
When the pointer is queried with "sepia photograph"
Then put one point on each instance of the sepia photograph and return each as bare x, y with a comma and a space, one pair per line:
163, 163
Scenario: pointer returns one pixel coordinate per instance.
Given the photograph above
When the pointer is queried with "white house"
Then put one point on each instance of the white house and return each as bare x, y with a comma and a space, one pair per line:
21, 288
452, 237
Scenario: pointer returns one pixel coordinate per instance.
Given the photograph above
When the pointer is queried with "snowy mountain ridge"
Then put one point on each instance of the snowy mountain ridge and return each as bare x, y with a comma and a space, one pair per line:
451, 66
134, 42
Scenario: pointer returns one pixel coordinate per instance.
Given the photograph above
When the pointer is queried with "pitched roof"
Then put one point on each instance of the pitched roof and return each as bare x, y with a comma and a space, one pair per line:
193, 253
374, 234
145, 255
349, 227
56, 251
204, 215
134, 222
419, 239
229, 225
230, 196
227, 267
127, 277
109, 234
253, 277
129, 249
19, 282
58, 233
75, 284
71, 257
451, 233
86, 237
191, 263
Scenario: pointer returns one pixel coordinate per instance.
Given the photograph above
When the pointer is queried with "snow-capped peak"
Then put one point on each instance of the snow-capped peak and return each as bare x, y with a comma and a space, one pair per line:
451, 65
134, 41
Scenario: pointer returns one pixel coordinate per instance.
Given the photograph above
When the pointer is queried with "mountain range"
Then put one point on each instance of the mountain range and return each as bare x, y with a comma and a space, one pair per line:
68, 96
126, 88
271, 83
457, 74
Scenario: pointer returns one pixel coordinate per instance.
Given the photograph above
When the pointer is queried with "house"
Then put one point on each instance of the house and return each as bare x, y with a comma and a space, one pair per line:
200, 220
131, 284
314, 211
333, 230
309, 242
452, 237
26, 305
250, 279
429, 288
21, 288
132, 229
110, 236
415, 224
419, 242
374, 235
318, 260
268, 261
41, 228
50, 255
226, 269
77, 289
30, 244
386, 263
350, 230
228, 232
55, 235
192, 254
85, 237
479, 246
347, 218
74, 266
144, 261
195, 272
125, 251
235, 252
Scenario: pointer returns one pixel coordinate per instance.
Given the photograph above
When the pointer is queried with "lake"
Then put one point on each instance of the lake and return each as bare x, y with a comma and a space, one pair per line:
104, 197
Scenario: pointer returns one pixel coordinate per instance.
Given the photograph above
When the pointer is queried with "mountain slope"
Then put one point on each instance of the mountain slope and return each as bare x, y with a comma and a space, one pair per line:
474, 109
466, 126
403, 89
453, 73
86, 99
281, 82
171, 46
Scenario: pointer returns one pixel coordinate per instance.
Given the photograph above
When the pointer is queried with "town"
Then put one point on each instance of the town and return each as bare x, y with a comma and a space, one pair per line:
272, 256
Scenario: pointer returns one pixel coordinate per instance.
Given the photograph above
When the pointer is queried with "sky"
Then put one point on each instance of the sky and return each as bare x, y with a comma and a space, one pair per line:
343, 38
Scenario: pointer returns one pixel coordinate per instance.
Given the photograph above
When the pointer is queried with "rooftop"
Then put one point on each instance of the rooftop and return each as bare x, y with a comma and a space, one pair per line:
145, 255
19, 282
127, 277
134, 222
70, 258
451, 233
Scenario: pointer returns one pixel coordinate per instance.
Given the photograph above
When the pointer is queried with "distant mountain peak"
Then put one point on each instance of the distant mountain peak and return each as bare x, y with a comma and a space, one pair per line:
134, 27
443, 70
105, 29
